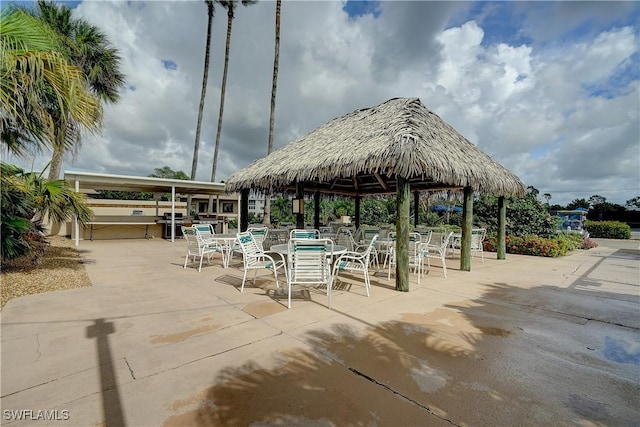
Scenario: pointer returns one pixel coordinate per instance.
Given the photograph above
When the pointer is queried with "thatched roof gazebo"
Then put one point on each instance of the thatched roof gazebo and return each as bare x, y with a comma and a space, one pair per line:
396, 147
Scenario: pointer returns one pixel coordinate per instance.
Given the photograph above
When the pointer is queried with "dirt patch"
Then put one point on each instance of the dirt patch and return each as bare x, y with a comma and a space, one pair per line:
61, 268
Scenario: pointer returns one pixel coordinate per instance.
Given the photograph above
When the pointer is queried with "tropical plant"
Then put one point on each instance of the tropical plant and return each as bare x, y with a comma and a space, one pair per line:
230, 6
89, 49
274, 88
36, 77
27, 200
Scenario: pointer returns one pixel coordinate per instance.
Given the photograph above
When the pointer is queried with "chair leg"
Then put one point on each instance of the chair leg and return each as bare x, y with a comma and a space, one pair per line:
275, 275
444, 267
367, 280
200, 266
186, 258
244, 277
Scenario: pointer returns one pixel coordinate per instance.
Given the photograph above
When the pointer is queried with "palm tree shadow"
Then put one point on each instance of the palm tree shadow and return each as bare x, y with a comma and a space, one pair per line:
471, 363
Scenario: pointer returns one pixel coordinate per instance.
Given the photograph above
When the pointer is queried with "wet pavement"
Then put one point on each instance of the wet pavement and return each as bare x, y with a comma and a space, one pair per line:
526, 341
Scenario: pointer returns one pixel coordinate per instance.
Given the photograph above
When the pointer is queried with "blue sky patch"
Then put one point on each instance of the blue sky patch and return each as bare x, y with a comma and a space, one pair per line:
132, 88
358, 8
168, 64
500, 21
618, 82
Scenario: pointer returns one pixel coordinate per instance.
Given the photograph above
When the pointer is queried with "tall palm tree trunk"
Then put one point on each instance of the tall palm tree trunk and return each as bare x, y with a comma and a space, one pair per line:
203, 93
272, 117
223, 88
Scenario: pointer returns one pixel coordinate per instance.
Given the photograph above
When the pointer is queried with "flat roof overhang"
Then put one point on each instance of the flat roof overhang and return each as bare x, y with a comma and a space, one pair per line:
102, 181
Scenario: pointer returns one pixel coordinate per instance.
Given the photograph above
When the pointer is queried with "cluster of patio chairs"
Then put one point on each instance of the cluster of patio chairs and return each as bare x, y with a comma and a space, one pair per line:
307, 257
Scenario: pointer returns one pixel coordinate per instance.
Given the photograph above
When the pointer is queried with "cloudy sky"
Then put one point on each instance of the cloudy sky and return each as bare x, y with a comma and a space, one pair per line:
548, 89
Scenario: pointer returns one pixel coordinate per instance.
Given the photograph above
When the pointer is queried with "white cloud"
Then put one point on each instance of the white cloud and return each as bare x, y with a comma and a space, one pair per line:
527, 105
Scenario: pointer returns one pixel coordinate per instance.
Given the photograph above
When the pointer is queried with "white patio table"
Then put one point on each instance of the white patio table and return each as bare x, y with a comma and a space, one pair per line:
226, 241
284, 249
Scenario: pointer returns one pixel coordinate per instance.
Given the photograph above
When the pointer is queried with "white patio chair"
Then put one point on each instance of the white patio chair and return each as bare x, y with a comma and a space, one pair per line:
477, 241
437, 251
303, 233
309, 263
415, 257
254, 258
389, 248
197, 247
260, 234
344, 237
205, 231
356, 261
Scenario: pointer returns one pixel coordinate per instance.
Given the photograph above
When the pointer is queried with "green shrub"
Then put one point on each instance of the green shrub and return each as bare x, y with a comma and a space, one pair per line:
525, 216
557, 246
608, 229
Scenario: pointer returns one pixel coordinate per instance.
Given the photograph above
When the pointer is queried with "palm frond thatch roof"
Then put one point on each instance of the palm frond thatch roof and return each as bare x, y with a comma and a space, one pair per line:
363, 152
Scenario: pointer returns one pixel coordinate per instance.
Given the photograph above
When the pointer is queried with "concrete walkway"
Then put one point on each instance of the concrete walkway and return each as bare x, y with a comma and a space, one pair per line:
526, 341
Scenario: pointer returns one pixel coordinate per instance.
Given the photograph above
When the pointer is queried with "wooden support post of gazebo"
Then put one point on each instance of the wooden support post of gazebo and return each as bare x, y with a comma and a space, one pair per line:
316, 210
300, 196
467, 225
357, 218
502, 225
402, 235
244, 209
416, 208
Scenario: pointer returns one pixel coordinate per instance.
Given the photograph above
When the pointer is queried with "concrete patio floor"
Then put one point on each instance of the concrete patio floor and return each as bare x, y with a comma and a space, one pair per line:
526, 341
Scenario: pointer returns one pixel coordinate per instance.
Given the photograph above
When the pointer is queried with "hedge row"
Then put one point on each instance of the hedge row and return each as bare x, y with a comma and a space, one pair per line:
608, 229
541, 246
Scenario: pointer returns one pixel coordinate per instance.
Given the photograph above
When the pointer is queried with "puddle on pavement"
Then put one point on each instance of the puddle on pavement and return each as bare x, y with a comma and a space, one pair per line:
180, 336
621, 351
263, 308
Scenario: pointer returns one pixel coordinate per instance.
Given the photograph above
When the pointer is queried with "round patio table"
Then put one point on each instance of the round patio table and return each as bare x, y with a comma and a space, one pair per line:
284, 249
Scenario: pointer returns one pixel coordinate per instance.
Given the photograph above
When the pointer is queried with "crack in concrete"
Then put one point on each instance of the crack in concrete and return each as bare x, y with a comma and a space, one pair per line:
130, 368
38, 348
397, 393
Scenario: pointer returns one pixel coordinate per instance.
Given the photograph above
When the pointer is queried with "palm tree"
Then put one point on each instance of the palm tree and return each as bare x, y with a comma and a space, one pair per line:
32, 67
89, 49
230, 5
274, 85
203, 93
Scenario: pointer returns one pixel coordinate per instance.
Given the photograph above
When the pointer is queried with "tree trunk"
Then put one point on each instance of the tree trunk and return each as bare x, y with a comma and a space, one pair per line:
203, 93
223, 90
59, 148
56, 163
502, 228
272, 115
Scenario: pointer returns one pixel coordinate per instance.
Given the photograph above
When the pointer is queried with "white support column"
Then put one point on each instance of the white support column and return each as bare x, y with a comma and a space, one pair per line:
173, 213
75, 225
